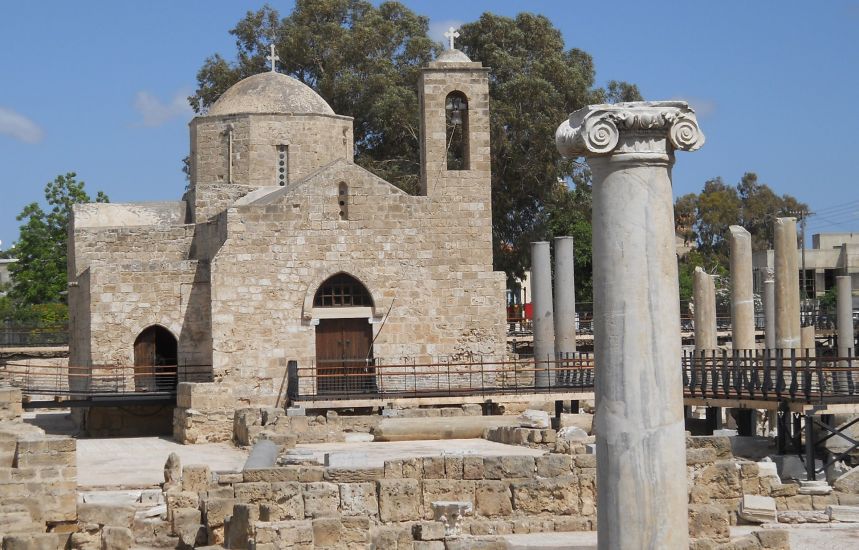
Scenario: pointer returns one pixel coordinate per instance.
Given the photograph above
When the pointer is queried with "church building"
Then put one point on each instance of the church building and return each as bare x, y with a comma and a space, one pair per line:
284, 249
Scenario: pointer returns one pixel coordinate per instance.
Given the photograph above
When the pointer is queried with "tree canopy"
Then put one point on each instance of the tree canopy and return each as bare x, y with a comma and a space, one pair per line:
702, 220
365, 60
39, 276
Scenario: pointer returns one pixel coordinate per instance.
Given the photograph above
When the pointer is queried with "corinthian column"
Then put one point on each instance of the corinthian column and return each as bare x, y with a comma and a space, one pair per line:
786, 260
639, 389
742, 295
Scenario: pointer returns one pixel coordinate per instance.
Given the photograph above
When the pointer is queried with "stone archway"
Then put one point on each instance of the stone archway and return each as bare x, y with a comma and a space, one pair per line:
155, 360
344, 340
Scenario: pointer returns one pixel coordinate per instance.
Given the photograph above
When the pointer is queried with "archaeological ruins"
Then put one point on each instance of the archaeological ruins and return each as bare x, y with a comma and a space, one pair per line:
322, 361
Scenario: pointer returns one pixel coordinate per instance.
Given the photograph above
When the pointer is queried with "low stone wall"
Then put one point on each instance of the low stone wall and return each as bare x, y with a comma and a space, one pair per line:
38, 480
204, 413
251, 424
311, 506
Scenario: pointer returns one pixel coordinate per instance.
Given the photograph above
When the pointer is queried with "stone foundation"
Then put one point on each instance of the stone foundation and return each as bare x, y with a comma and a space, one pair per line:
129, 421
204, 413
38, 480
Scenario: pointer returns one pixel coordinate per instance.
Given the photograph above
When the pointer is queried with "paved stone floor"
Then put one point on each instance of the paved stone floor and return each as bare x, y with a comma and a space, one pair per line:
811, 537
138, 462
364, 454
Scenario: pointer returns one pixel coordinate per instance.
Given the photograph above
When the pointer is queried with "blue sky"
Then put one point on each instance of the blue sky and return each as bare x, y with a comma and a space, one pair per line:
99, 88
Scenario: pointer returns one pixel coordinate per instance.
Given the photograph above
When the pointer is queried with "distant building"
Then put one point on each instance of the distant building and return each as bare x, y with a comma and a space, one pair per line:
5, 276
831, 255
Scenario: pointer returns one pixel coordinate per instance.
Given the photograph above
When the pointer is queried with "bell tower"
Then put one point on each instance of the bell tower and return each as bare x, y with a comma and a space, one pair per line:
454, 109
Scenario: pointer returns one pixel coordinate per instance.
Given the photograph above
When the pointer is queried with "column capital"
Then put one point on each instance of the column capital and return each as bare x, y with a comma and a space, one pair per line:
634, 127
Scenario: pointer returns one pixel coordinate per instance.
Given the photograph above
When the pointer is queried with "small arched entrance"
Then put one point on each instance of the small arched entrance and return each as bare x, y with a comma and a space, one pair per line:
344, 337
155, 360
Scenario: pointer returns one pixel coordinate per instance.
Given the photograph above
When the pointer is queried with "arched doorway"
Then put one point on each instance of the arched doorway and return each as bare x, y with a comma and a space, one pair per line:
155, 360
344, 342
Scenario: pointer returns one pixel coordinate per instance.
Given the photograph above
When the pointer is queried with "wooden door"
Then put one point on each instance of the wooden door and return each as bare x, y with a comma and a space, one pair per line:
344, 356
155, 354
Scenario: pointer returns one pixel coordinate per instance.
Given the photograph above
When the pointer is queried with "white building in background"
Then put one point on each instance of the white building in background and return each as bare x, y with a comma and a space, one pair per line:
830, 255
5, 276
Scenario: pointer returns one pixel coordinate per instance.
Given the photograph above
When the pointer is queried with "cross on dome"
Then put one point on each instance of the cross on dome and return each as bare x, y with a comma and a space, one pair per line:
273, 58
450, 35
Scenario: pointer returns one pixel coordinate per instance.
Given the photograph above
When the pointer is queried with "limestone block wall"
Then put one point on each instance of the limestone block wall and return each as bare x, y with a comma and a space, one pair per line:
312, 141
38, 480
127, 298
430, 260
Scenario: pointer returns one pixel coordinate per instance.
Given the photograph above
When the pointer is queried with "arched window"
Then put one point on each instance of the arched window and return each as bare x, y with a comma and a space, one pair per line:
343, 200
456, 124
342, 290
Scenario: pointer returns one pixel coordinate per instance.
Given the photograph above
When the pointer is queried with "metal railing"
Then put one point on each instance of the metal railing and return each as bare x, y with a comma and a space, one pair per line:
63, 380
771, 374
367, 379
30, 336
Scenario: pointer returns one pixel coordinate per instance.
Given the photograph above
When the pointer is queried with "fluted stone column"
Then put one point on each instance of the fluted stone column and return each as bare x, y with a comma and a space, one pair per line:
541, 301
769, 310
565, 301
641, 496
844, 315
704, 294
742, 294
786, 259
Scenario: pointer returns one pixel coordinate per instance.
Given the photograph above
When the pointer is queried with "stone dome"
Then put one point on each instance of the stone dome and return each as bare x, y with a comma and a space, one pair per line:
270, 92
453, 56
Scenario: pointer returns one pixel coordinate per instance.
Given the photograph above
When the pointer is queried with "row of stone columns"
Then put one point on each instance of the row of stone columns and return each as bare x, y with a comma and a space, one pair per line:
781, 301
554, 312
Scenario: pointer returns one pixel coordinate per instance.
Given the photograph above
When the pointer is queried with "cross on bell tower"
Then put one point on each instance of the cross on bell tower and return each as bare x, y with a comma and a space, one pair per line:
273, 58
450, 35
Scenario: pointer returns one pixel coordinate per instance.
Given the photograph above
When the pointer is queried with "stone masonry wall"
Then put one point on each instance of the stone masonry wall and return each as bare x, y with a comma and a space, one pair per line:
447, 301
38, 480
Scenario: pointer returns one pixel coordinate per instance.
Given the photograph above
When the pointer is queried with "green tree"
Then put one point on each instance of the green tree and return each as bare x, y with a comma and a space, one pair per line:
534, 83
39, 276
703, 220
365, 61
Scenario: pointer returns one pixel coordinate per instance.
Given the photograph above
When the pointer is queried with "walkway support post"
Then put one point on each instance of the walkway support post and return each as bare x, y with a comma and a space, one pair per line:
565, 304
639, 389
541, 299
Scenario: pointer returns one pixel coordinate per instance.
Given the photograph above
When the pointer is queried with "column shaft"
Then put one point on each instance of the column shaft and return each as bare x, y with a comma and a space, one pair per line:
769, 311
639, 392
844, 317
541, 300
704, 293
565, 297
786, 259
742, 295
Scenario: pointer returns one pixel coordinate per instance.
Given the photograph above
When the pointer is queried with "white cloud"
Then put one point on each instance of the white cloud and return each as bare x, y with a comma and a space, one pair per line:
702, 107
19, 127
155, 113
438, 28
